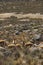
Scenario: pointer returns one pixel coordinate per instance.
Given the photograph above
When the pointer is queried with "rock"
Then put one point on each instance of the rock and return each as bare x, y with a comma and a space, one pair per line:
17, 32
36, 36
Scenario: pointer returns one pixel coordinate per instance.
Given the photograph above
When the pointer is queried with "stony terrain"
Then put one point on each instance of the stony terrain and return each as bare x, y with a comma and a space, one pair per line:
21, 33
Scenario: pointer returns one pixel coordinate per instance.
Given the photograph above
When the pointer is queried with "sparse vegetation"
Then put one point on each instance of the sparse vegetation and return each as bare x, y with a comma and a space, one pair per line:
20, 33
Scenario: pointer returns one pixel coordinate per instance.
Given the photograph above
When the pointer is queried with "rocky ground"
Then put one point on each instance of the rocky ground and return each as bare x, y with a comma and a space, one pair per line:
21, 34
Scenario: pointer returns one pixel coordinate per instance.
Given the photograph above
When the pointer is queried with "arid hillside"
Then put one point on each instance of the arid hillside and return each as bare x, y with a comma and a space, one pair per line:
21, 32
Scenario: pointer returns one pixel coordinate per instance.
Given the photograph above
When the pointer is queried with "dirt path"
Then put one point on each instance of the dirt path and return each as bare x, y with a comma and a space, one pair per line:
30, 15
